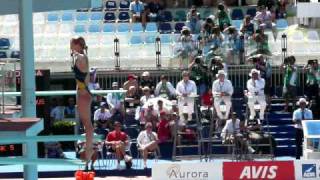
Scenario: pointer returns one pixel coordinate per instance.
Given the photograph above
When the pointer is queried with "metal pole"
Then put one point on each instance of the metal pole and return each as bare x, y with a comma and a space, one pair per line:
117, 53
28, 80
284, 46
158, 52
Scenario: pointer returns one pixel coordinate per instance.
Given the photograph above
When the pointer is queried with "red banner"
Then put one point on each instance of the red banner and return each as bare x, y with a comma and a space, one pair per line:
278, 170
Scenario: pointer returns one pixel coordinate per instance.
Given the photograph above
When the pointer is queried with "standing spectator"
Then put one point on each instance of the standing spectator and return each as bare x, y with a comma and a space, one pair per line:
70, 110
290, 80
186, 89
147, 141
235, 44
265, 18
137, 12
193, 20
115, 102
146, 95
57, 113
222, 91
164, 132
132, 81
187, 49
199, 74
223, 17
217, 38
146, 81
102, 119
118, 142
153, 10
261, 40
255, 87
313, 79
164, 88
281, 11
299, 115
247, 27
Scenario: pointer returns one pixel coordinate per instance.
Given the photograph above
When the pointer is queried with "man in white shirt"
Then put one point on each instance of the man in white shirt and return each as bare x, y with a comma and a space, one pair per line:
186, 91
299, 115
164, 88
231, 130
102, 118
115, 100
147, 142
256, 95
222, 91
137, 11
146, 95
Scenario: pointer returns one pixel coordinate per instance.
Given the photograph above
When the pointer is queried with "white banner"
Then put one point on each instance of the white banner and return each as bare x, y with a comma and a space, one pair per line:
307, 169
187, 171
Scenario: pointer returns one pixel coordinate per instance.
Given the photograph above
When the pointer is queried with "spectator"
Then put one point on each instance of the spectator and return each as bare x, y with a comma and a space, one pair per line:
256, 95
147, 141
215, 65
198, 73
265, 18
247, 27
261, 40
118, 142
290, 80
149, 114
313, 79
193, 20
222, 91
57, 113
186, 51
164, 132
154, 9
93, 84
137, 12
207, 29
217, 37
266, 3
53, 149
70, 110
146, 95
186, 90
164, 88
235, 45
81, 146
102, 119
281, 10
115, 102
132, 81
223, 17
132, 100
146, 81
299, 115
207, 98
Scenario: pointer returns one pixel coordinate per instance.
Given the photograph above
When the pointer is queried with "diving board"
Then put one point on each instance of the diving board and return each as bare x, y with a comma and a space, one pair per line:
40, 161
62, 93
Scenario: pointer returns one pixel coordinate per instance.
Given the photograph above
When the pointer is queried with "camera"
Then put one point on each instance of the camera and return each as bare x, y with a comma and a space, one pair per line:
289, 60
220, 7
197, 60
185, 32
312, 61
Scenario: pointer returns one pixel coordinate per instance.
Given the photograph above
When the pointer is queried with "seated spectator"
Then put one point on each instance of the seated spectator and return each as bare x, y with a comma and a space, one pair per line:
147, 141
146, 81
164, 88
193, 20
102, 119
164, 132
186, 90
198, 73
132, 81
247, 27
299, 115
149, 114
153, 10
53, 149
132, 100
57, 113
290, 80
265, 18
137, 12
117, 142
115, 102
231, 131
256, 95
81, 146
223, 17
207, 98
146, 95
70, 110
235, 45
222, 91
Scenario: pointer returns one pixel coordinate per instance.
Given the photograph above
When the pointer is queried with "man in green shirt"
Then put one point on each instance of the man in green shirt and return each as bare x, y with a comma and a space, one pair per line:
313, 79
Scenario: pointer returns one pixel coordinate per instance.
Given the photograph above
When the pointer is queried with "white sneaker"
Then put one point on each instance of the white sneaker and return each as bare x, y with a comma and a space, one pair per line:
127, 158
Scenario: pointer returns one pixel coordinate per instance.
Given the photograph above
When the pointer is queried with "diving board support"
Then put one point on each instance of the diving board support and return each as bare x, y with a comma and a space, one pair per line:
64, 93
40, 161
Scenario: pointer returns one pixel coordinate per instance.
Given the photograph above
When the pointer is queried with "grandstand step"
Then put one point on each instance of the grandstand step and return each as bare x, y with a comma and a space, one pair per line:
278, 114
276, 128
285, 151
279, 121
283, 134
285, 141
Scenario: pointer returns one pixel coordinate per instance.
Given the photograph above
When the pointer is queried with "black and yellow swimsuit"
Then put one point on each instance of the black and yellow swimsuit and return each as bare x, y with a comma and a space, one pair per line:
80, 78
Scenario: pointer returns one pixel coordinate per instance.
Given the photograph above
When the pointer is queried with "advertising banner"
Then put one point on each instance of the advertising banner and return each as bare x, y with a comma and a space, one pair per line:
187, 171
278, 170
307, 169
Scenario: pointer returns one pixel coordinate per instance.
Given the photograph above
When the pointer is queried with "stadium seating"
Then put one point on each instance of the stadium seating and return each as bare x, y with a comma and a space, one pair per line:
178, 27
15, 54
136, 27
67, 16
96, 16
123, 16
111, 5
123, 28
237, 23
312, 35
3, 54
281, 24
4, 43
124, 5
108, 28
180, 15
109, 17
165, 28
53, 17
136, 39
166, 16
82, 16
252, 12
150, 38
80, 28
151, 27
94, 28
237, 14
165, 38
206, 13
